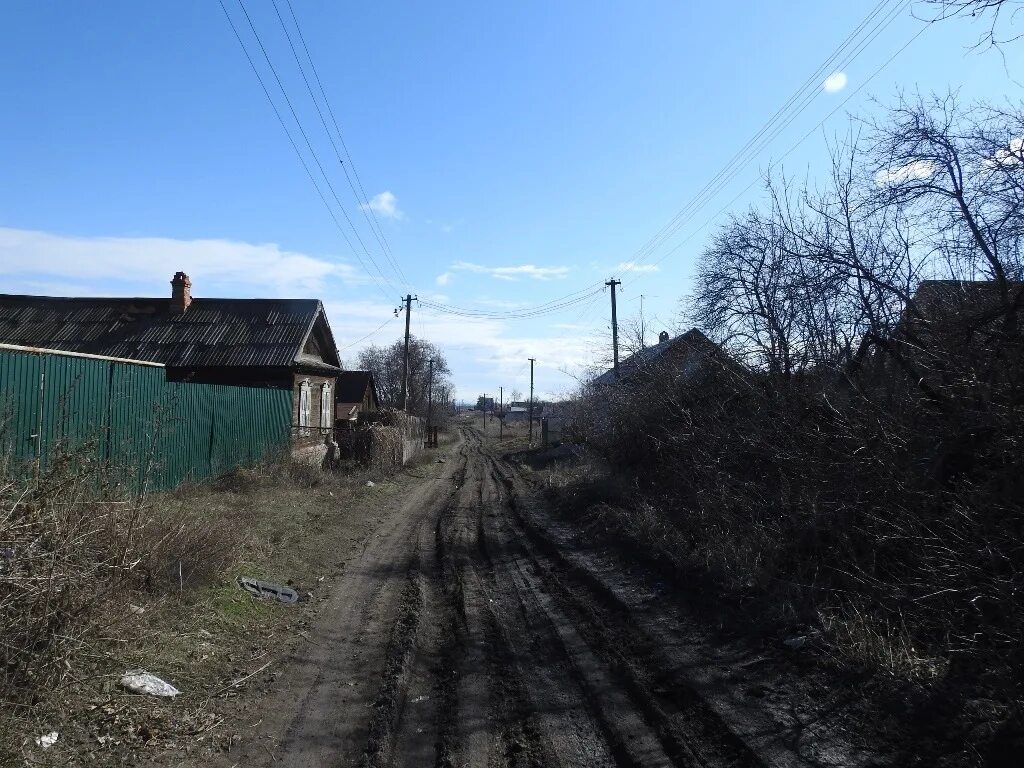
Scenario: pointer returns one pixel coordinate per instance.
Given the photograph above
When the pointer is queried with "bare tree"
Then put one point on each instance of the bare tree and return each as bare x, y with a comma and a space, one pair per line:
994, 11
386, 365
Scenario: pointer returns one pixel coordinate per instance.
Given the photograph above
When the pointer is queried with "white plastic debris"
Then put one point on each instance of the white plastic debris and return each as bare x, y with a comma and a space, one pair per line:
47, 740
370, 484
140, 681
138, 610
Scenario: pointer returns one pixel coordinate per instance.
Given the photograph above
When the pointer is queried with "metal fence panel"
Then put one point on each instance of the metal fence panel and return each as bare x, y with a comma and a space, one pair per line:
148, 431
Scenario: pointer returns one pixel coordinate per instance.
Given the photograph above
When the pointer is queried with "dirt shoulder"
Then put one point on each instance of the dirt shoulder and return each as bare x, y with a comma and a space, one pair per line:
218, 645
774, 679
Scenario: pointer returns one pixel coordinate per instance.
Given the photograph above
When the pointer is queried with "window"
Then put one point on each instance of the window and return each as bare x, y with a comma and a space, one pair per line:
326, 406
304, 394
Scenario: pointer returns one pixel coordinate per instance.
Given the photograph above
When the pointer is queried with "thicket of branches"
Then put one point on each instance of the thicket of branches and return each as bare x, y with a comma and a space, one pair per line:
861, 456
385, 363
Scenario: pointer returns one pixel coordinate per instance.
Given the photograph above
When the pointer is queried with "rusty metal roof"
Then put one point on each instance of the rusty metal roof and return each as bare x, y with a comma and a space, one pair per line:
210, 333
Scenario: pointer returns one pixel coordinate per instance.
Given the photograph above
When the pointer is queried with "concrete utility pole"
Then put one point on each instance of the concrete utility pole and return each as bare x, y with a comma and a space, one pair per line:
430, 400
407, 301
532, 361
501, 414
615, 328
484, 409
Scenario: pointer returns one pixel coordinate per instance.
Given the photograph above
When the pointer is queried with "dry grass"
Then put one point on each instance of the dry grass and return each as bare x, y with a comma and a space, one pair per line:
94, 582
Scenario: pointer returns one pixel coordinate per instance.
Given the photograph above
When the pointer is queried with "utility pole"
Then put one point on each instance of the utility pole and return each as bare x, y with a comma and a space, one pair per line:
430, 400
642, 344
407, 301
615, 328
532, 361
501, 412
484, 409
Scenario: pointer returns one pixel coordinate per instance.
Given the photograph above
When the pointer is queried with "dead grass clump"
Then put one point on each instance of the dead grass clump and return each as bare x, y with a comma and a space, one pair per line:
77, 552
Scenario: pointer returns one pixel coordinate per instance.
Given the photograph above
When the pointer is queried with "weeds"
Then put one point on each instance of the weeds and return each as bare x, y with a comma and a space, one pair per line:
88, 571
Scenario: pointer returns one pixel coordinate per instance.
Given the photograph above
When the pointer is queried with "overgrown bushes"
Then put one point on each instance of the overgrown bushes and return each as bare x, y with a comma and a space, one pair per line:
859, 460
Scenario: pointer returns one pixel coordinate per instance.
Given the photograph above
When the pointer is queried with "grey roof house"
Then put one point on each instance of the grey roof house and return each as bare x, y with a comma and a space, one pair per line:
687, 354
279, 343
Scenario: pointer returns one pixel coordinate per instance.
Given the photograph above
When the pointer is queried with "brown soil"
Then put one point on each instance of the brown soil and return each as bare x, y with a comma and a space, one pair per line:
474, 629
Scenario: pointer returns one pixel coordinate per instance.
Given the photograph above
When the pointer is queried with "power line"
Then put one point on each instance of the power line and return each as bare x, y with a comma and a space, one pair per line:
511, 315
337, 128
363, 203
374, 332
309, 145
802, 139
295, 147
507, 313
799, 101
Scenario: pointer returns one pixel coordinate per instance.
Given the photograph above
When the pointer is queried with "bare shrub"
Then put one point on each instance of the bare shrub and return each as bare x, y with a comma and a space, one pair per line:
860, 465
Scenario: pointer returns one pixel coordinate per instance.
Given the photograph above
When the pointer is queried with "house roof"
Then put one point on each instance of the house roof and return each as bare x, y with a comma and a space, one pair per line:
648, 357
210, 333
352, 385
980, 298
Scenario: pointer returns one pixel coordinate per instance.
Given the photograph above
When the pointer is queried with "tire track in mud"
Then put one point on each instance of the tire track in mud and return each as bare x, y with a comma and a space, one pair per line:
471, 640
689, 732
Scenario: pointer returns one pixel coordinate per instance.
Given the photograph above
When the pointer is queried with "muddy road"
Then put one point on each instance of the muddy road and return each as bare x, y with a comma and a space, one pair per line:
463, 636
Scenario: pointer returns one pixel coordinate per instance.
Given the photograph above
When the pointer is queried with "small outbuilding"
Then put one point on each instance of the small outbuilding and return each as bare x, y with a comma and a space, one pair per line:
355, 396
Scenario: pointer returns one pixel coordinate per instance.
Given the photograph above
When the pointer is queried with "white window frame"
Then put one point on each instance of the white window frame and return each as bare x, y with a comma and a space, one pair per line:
326, 406
305, 393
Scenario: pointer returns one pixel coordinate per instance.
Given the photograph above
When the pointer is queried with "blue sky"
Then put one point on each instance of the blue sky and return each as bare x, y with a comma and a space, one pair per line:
514, 153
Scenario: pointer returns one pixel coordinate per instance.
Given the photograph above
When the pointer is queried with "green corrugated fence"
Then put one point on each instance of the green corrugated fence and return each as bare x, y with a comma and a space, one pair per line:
154, 432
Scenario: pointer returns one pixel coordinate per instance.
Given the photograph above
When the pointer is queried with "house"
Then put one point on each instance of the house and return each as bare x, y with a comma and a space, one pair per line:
517, 412
951, 333
266, 343
355, 395
687, 355
485, 403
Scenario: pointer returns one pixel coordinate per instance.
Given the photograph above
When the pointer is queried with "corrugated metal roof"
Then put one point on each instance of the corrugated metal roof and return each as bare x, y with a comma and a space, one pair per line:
646, 358
211, 333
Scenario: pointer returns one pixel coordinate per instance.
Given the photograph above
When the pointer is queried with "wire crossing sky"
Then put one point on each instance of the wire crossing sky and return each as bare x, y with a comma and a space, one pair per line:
499, 162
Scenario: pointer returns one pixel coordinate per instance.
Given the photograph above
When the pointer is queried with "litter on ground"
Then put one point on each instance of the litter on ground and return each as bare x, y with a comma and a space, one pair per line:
267, 589
47, 740
140, 681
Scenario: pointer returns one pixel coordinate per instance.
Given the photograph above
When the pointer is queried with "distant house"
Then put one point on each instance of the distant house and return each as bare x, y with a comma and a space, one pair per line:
517, 412
485, 403
952, 332
266, 343
355, 396
686, 355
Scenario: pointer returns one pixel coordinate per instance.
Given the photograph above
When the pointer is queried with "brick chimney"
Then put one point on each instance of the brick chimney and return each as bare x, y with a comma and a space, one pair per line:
181, 293
663, 337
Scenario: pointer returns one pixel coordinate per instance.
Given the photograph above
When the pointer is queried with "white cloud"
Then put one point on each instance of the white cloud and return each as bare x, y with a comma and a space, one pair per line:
384, 204
145, 265
916, 170
834, 82
514, 273
632, 266
1007, 157
443, 278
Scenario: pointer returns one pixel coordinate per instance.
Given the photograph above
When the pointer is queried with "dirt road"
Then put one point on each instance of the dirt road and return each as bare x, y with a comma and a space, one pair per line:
463, 636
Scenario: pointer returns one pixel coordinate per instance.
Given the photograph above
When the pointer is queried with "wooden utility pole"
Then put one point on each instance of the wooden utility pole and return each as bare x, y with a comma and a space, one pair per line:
430, 401
642, 330
532, 361
483, 407
407, 301
615, 328
501, 413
